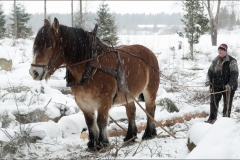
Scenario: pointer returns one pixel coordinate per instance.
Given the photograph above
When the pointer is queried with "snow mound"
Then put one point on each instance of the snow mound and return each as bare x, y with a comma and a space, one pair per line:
218, 141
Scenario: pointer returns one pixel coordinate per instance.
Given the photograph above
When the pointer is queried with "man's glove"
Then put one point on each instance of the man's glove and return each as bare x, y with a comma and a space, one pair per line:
228, 88
208, 84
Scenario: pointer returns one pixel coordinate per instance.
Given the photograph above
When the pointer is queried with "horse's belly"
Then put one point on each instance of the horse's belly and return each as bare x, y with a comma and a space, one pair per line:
85, 101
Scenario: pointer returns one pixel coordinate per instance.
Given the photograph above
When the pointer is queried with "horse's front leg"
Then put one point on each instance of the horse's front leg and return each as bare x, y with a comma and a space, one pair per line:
102, 122
93, 130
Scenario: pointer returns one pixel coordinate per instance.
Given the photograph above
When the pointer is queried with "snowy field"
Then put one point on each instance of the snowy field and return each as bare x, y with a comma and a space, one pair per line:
19, 94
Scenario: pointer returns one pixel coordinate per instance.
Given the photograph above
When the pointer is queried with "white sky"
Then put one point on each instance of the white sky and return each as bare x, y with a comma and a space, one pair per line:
115, 6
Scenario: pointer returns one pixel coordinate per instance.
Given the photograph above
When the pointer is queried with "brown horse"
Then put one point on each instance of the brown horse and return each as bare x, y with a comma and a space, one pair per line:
57, 45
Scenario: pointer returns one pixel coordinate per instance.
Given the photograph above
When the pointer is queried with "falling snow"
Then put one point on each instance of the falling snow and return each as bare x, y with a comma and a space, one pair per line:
62, 139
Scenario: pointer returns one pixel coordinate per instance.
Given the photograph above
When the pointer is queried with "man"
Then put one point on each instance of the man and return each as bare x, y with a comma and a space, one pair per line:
222, 75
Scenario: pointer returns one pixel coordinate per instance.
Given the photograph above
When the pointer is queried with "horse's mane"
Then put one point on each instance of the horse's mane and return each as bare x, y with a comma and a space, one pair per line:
75, 42
43, 37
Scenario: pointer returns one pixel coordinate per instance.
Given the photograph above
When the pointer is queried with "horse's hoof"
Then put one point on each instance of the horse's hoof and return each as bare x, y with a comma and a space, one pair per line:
90, 144
92, 150
102, 147
149, 136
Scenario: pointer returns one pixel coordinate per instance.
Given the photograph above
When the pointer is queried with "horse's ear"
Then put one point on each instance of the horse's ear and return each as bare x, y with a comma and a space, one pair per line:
55, 25
46, 22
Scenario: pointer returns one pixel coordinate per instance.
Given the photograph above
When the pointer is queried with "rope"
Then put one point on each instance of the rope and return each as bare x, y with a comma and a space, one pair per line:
151, 116
117, 123
228, 94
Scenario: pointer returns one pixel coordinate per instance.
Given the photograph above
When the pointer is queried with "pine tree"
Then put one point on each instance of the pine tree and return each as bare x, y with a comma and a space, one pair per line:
23, 30
2, 23
196, 23
107, 28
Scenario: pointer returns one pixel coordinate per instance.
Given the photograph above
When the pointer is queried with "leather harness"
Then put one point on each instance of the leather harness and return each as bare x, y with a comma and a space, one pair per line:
118, 73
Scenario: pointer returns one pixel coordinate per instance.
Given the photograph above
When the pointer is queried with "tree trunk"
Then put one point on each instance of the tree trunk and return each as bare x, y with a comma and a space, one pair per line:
213, 21
72, 12
214, 37
15, 20
81, 15
45, 10
191, 50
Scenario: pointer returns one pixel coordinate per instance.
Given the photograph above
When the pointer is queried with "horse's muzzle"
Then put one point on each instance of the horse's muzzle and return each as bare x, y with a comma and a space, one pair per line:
37, 73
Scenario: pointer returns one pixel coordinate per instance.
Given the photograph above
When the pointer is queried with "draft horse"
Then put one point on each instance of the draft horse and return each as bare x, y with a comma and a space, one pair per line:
96, 73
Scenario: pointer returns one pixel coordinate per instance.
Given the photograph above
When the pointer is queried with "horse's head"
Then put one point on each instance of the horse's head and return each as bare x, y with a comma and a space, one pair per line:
47, 51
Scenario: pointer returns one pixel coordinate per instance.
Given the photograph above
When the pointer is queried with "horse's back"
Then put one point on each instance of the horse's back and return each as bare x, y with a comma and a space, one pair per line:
142, 55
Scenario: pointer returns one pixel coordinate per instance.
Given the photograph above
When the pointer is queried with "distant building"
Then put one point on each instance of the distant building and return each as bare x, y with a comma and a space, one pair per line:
151, 27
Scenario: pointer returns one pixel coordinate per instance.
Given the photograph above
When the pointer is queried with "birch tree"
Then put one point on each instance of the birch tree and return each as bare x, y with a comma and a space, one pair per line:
45, 9
213, 19
72, 11
80, 18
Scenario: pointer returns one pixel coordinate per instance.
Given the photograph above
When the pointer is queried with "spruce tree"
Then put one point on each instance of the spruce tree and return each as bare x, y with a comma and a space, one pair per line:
107, 28
2, 23
196, 23
23, 30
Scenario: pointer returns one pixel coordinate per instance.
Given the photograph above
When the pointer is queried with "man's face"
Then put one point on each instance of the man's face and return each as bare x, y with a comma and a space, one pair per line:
222, 53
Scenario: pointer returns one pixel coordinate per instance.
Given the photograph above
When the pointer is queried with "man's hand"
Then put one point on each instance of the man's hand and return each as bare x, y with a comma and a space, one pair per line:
228, 88
208, 84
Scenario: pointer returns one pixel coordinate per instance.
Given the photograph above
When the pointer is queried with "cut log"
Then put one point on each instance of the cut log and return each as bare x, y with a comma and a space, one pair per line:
190, 145
169, 122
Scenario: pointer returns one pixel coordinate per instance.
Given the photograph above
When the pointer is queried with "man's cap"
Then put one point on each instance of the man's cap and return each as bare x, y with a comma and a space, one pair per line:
223, 47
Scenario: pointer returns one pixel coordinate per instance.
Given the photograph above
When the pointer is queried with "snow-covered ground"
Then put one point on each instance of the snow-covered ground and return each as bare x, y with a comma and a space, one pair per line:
20, 94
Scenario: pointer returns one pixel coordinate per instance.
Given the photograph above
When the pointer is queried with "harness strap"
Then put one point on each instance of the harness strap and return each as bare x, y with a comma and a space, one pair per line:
104, 68
89, 69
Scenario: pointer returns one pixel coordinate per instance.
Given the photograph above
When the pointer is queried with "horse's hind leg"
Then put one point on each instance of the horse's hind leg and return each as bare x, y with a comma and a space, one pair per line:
132, 128
150, 108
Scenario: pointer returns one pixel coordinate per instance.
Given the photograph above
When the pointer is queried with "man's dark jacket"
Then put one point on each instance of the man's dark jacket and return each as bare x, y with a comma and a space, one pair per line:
227, 75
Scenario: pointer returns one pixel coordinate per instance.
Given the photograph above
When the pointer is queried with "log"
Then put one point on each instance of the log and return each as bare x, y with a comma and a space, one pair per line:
169, 122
